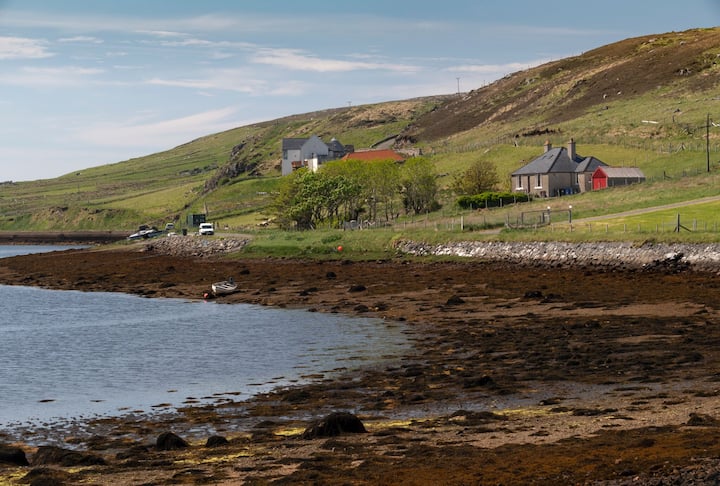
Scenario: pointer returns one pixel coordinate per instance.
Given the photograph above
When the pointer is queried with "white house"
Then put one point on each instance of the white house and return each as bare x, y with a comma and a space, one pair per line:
302, 152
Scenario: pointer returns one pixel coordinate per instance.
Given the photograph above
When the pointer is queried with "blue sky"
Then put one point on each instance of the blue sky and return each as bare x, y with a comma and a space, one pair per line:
91, 82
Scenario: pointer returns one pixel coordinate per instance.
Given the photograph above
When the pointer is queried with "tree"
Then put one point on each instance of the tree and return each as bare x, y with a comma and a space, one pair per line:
419, 185
379, 182
307, 198
383, 185
481, 176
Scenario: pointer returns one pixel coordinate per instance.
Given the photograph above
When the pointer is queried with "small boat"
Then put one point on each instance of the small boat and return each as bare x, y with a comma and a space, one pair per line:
225, 287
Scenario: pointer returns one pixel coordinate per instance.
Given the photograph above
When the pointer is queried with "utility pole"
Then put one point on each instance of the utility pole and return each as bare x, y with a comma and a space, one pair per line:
458, 82
707, 141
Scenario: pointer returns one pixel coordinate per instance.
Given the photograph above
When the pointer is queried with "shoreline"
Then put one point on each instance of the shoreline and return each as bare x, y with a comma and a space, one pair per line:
485, 335
61, 237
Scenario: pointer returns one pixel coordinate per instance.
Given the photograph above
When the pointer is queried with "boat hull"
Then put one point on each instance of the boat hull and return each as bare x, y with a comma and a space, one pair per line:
224, 288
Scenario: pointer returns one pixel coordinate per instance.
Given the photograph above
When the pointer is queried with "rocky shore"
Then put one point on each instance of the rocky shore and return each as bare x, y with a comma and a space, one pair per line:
627, 255
529, 364
194, 246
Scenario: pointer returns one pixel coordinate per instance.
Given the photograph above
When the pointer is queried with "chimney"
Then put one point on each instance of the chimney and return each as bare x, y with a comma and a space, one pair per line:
571, 149
548, 146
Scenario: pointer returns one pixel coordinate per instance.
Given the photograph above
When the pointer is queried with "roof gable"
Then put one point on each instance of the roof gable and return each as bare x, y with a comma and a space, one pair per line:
293, 143
620, 172
554, 160
589, 164
336, 146
558, 160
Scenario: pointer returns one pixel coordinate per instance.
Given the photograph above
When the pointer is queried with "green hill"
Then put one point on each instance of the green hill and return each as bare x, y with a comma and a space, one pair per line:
639, 102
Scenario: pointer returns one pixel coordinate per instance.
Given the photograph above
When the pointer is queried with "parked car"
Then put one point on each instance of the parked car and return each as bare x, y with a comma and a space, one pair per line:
206, 229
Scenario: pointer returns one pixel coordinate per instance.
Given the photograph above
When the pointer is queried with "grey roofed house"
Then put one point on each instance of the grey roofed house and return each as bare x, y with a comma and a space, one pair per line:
302, 152
336, 150
558, 171
309, 152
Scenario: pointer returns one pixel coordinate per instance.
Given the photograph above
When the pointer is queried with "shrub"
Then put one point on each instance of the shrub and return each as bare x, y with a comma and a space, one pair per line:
491, 200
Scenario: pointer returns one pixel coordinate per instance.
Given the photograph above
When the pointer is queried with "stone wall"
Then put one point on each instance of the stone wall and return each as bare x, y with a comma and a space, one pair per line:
194, 245
702, 257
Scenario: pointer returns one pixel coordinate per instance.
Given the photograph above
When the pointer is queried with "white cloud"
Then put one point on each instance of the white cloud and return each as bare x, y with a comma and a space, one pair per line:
296, 60
23, 48
226, 80
161, 33
181, 83
167, 27
62, 76
81, 39
494, 69
160, 134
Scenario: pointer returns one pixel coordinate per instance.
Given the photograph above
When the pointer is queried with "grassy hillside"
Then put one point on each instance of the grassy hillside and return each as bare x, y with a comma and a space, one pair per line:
640, 102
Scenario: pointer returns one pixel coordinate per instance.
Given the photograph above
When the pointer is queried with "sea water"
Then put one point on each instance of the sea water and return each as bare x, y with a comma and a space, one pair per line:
72, 354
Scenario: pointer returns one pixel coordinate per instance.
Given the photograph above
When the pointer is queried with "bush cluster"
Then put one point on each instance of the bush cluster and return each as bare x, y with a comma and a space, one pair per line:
491, 199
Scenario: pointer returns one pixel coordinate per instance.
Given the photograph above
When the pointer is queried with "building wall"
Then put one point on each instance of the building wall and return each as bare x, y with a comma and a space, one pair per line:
605, 182
599, 182
289, 156
314, 147
585, 182
553, 184
562, 183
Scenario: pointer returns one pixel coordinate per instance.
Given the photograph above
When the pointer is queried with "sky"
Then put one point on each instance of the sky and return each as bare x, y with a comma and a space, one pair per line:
85, 83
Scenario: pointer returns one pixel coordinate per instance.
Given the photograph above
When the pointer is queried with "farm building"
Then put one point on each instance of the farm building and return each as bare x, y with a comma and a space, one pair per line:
310, 152
557, 172
605, 177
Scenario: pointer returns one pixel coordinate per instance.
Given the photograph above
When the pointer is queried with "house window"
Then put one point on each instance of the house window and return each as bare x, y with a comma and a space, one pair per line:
538, 180
519, 183
285, 156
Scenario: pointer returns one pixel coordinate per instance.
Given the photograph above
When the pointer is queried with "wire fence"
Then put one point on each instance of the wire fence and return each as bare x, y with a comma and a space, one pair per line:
598, 227
661, 147
540, 220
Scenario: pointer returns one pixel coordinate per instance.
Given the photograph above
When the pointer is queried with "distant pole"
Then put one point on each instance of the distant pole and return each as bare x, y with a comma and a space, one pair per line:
707, 141
458, 83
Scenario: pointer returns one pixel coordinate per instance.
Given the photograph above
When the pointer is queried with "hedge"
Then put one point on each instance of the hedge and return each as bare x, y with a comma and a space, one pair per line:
491, 200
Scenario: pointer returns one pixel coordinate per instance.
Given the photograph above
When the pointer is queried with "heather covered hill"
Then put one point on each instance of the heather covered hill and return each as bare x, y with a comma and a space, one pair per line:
643, 101
670, 67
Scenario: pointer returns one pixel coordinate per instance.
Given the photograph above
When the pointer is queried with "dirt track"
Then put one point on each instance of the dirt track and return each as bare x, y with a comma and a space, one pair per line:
517, 375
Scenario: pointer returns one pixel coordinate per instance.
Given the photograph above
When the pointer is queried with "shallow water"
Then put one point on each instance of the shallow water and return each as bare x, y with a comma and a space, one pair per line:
71, 354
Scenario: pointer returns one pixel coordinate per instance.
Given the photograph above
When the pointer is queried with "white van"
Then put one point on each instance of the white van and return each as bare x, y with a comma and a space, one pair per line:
206, 229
